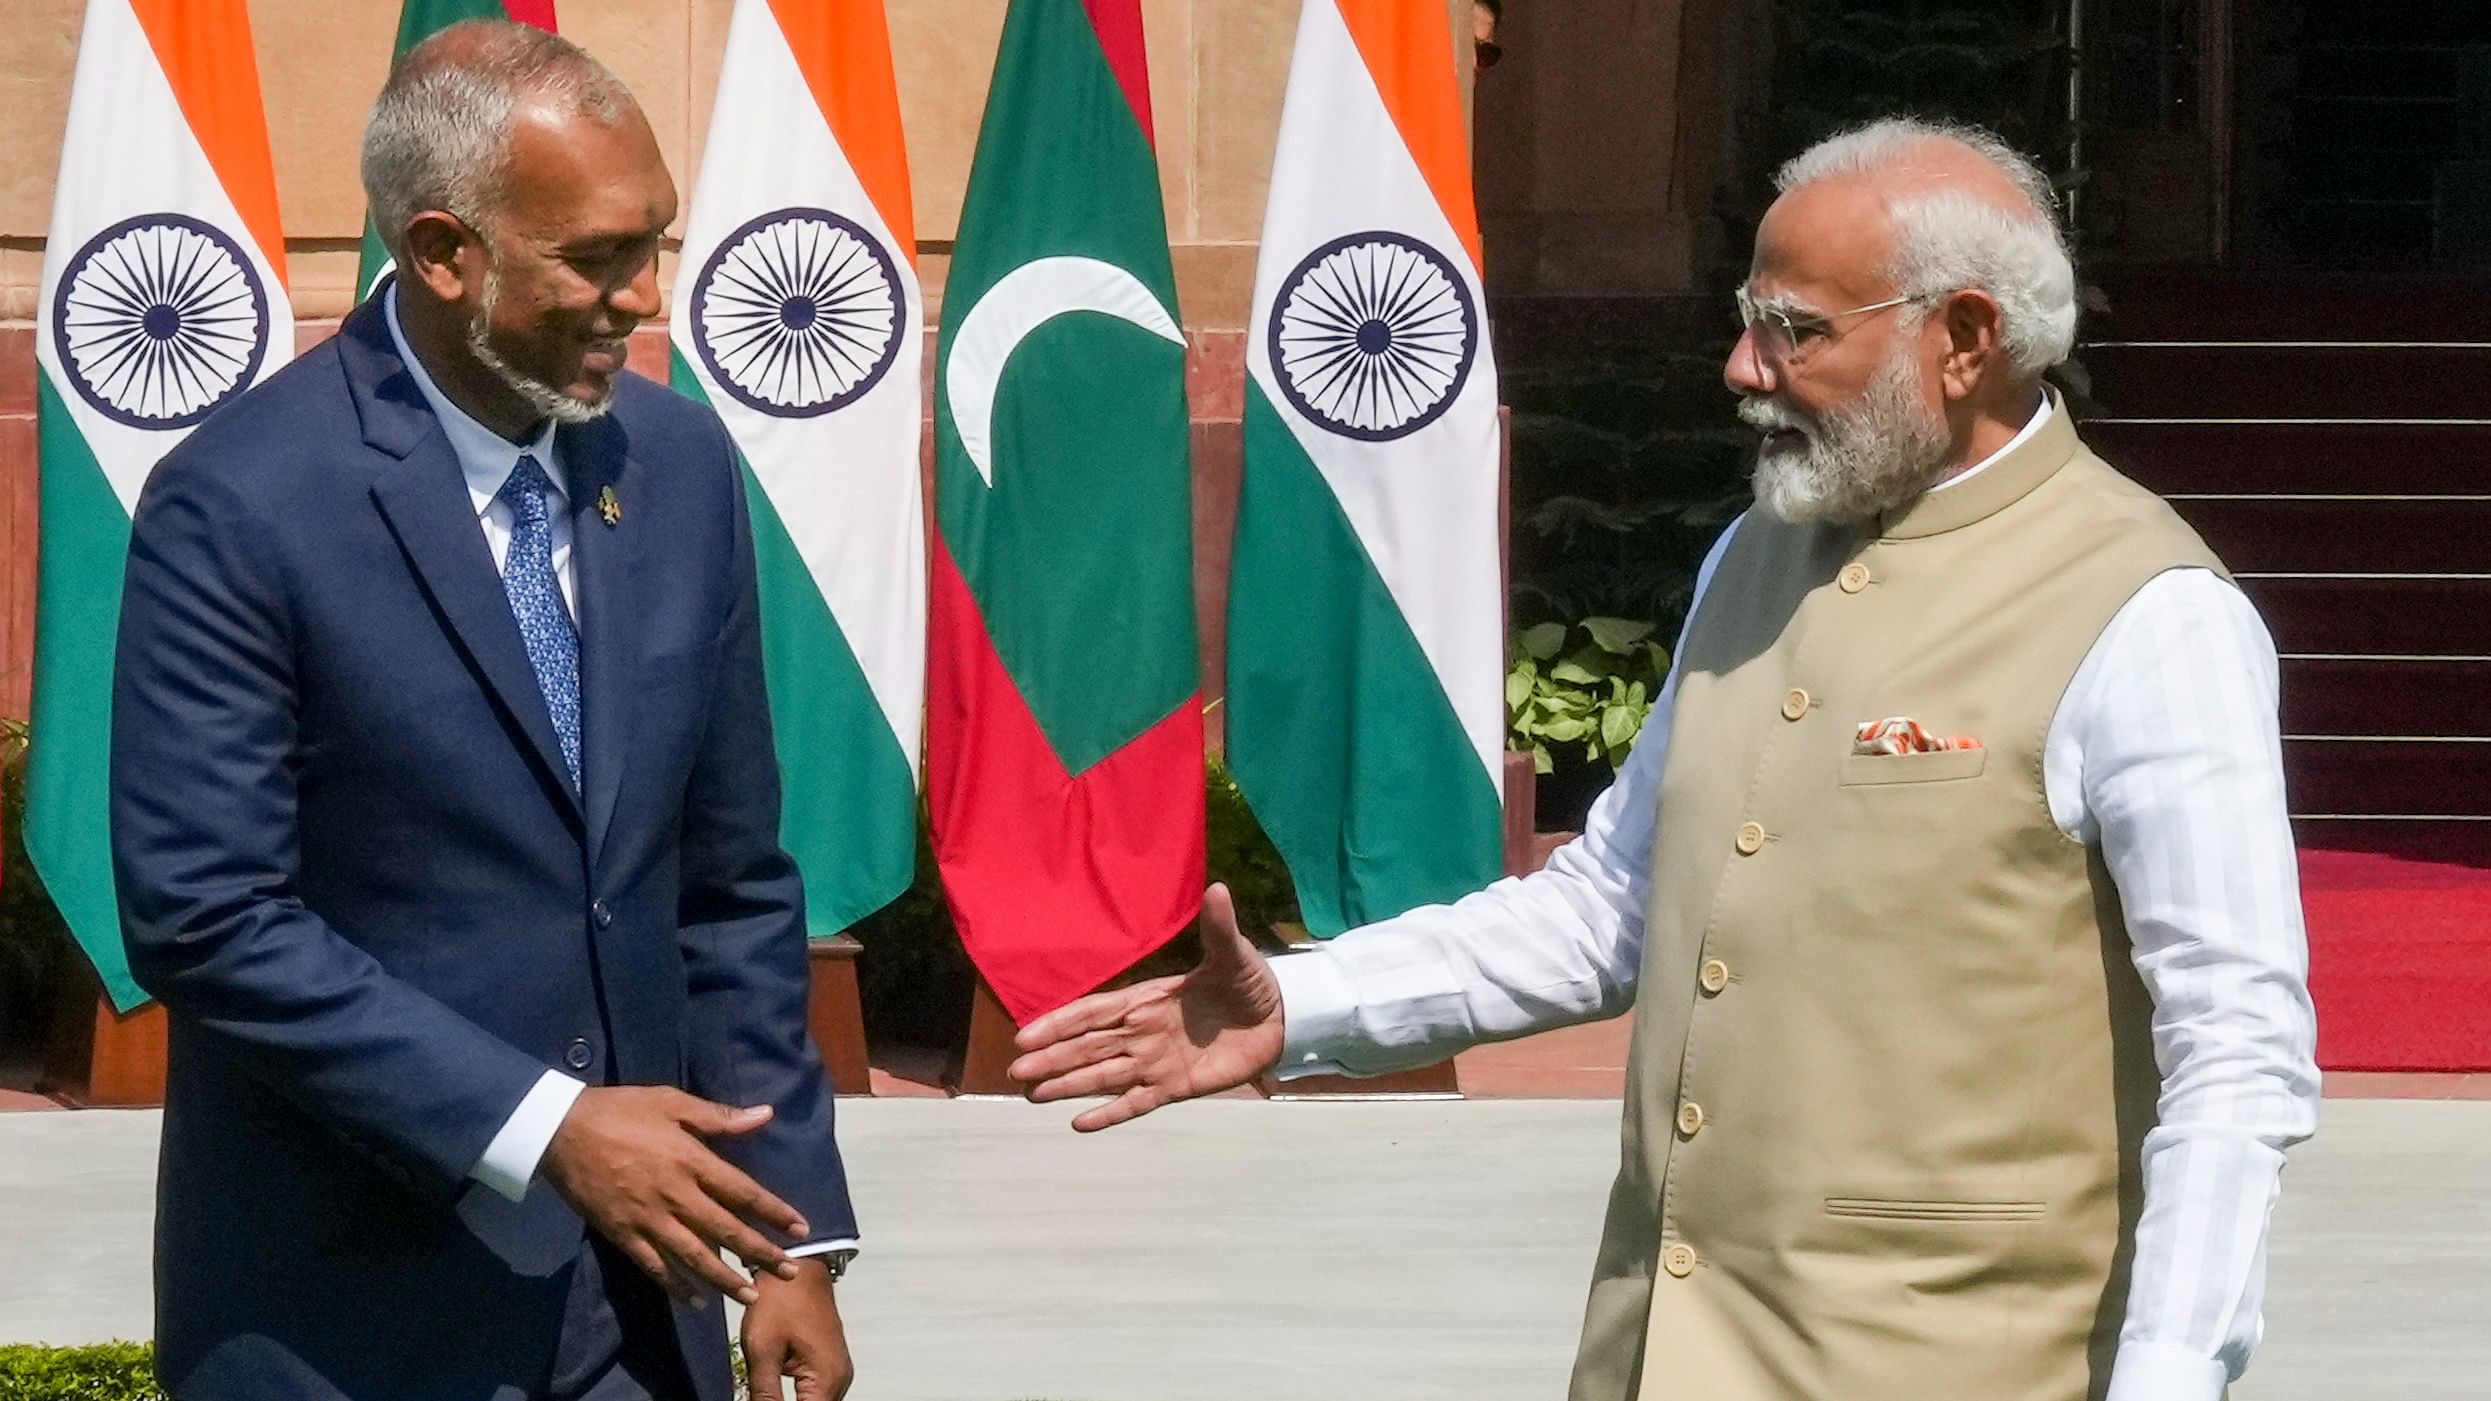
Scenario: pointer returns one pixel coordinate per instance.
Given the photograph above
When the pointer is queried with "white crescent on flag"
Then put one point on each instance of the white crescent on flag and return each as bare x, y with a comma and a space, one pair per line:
1020, 302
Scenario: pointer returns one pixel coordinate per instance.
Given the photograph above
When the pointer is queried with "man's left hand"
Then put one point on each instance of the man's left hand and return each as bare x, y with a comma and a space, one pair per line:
792, 1330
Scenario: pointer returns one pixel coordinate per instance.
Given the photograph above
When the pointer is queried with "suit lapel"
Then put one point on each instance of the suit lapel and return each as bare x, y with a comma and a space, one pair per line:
423, 496
603, 560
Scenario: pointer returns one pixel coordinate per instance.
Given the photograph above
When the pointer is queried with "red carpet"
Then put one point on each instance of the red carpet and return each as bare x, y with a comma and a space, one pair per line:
2400, 960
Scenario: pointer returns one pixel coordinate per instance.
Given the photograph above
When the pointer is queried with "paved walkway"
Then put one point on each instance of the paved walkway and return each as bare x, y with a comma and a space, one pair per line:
1244, 1251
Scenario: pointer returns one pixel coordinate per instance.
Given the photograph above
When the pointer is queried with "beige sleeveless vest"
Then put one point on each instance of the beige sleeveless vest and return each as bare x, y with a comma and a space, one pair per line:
1891, 1072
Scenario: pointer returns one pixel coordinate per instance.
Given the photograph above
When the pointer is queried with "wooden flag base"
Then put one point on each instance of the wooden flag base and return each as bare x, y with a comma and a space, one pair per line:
99, 1058
1438, 1081
979, 1072
837, 1014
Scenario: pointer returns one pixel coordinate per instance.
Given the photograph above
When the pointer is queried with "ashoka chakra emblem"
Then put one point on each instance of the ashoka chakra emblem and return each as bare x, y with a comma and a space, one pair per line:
160, 319
798, 313
1373, 334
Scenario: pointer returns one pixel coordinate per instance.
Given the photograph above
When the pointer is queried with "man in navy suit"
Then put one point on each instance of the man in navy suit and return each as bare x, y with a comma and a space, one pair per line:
445, 817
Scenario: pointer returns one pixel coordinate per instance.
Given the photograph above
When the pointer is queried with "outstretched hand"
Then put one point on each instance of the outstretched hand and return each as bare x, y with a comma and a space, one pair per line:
1155, 1043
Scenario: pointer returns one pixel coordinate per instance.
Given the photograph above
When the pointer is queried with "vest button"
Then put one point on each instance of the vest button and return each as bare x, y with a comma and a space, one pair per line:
1679, 1260
1714, 976
1751, 838
578, 1056
1854, 577
1690, 1118
1795, 705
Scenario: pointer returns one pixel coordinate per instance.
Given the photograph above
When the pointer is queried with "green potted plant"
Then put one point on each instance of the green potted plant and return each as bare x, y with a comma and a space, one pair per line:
1579, 696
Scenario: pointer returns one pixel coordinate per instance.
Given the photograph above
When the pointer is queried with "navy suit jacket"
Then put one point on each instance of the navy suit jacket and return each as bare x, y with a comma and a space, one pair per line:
353, 867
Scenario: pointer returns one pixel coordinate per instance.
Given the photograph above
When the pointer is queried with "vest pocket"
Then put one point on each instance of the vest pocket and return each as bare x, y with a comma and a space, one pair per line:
1894, 1209
1862, 770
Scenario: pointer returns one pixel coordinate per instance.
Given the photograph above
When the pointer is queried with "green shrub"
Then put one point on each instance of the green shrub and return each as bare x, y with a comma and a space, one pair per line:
1594, 695
104, 1372
33, 940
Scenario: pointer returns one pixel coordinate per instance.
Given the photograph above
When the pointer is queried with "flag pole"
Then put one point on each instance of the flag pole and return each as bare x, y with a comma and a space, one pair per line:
98, 1057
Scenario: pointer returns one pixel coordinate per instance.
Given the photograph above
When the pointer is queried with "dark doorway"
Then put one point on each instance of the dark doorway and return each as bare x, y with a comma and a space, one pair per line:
2364, 135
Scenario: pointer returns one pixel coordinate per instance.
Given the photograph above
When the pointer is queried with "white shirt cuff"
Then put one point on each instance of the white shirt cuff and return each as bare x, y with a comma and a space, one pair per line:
2165, 1372
820, 1247
1319, 1013
510, 1160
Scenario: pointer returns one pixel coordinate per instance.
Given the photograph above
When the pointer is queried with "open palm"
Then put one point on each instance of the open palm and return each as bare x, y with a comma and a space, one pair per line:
1168, 1039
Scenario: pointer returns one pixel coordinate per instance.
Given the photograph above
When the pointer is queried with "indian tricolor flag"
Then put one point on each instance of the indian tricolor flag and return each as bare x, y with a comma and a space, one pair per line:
1365, 623
163, 297
1064, 764
420, 20
797, 317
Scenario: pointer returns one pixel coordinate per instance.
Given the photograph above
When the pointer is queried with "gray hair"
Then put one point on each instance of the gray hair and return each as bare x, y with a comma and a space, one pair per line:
1948, 239
439, 134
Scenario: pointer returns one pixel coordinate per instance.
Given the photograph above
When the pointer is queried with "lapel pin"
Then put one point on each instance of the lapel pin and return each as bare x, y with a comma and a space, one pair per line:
610, 507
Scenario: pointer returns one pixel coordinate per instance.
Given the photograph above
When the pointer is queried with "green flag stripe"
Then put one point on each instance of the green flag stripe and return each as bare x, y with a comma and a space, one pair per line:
849, 814
1339, 731
85, 544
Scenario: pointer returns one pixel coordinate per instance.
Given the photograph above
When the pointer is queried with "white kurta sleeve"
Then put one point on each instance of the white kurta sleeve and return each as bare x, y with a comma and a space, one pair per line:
2166, 750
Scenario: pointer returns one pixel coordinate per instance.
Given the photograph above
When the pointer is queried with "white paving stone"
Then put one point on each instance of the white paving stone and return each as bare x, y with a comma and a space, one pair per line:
1242, 1251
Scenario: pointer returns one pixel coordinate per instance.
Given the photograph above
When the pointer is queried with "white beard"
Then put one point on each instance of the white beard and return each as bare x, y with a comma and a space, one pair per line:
1863, 460
548, 401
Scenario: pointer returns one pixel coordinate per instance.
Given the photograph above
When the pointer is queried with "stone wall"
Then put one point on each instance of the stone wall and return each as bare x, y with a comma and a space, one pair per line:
1218, 68
1619, 142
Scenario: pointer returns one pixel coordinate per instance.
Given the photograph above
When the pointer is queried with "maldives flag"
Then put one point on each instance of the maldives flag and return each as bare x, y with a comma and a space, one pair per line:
1064, 738
420, 20
163, 297
1366, 703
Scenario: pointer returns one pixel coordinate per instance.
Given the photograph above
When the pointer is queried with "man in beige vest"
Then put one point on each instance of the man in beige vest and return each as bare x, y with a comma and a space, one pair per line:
1951, 877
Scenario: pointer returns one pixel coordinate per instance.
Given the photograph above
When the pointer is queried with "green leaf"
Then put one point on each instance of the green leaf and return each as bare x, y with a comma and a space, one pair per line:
1617, 635
1567, 728
1573, 672
1619, 726
1543, 642
1540, 762
1518, 689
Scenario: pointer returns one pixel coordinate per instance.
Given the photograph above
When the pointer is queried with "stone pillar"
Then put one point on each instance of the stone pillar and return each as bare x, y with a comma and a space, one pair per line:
1607, 138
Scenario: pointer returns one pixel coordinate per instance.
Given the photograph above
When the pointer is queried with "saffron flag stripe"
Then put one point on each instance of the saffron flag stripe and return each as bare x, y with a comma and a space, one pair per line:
844, 52
1407, 51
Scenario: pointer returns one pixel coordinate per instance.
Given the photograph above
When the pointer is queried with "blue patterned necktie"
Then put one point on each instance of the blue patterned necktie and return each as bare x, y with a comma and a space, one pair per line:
536, 601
